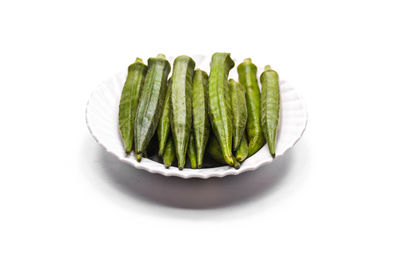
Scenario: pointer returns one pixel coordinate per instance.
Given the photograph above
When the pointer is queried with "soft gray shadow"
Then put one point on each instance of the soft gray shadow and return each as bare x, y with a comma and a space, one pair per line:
193, 193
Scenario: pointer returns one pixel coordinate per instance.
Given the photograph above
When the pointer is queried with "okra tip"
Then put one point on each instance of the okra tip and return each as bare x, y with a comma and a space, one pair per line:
267, 67
139, 157
161, 56
200, 70
230, 161
247, 60
138, 60
237, 165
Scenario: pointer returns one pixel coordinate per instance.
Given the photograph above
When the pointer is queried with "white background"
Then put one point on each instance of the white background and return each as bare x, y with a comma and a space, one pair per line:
332, 201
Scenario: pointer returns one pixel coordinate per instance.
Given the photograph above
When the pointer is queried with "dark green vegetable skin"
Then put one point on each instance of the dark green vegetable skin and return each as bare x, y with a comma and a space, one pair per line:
164, 125
201, 125
129, 100
192, 152
270, 106
169, 153
181, 106
150, 103
248, 78
214, 150
151, 148
219, 104
239, 112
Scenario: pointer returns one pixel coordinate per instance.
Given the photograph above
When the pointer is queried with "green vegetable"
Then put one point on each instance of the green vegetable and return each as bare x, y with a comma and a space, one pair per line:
150, 103
201, 125
181, 106
219, 103
129, 100
169, 153
243, 150
270, 105
192, 152
164, 124
214, 149
248, 77
239, 112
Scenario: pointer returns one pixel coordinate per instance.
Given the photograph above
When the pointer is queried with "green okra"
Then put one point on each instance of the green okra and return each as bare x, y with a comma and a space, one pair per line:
219, 103
248, 78
239, 112
243, 150
150, 103
270, 106
192, 152
169, 153
181, 106
201, 127
129, 100
164, 124
214, 149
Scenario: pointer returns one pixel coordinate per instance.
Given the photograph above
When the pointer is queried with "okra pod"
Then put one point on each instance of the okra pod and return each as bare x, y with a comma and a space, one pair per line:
169, 153
243, 150
201, 127
239, 112
129, 100
248, 78
150, 103
270, 105
181, 106
219, 103
164, 125
192, 152
214, 149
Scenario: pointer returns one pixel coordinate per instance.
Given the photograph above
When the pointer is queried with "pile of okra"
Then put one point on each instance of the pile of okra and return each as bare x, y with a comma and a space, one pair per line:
193, 114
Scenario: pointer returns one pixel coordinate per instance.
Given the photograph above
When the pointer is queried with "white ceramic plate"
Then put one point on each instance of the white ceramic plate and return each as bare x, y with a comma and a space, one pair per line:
102, 121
